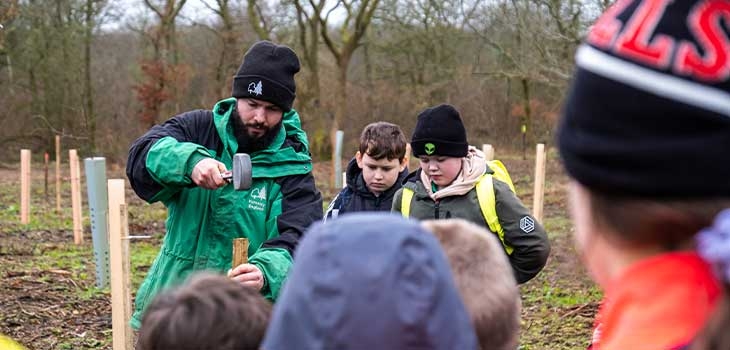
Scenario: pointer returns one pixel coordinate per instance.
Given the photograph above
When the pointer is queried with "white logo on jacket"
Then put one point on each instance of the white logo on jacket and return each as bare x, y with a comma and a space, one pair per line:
257, 199
527, 224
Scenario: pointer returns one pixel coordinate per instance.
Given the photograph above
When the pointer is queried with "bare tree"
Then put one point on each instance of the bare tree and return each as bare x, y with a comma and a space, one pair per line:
92, 9
358, 15
308, 23
163, 67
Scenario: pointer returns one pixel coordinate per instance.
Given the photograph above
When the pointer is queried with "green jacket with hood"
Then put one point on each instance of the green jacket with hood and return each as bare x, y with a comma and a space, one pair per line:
273, 214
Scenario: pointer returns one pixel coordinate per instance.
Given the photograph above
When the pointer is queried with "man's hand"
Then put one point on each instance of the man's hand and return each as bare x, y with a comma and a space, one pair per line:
207, 174
247, 275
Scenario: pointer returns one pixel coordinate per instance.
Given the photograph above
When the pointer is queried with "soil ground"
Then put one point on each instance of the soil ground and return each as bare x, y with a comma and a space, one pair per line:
48, 297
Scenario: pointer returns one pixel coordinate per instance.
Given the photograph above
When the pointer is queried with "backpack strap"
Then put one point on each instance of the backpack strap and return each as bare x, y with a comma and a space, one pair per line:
488, 205
501, 173
405, 203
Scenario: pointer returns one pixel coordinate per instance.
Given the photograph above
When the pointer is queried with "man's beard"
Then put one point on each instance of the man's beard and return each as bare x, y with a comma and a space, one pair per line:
248, 143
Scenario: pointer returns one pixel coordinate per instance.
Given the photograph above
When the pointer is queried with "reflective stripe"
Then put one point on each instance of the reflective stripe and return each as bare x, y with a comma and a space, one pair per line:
488, 205
405, 203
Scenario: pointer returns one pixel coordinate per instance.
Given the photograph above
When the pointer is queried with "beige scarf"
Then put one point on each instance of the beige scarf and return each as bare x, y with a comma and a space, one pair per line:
472, 167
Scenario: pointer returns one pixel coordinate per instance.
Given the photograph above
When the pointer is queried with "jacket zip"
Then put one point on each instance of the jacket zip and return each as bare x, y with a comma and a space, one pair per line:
436, 210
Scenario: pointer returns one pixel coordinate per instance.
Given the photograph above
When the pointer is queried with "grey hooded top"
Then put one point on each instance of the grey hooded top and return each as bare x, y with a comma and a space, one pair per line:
370, 281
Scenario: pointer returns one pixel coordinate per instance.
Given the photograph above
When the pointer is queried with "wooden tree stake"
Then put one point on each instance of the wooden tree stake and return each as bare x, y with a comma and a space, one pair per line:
24, 186
119, 266
58, 174
45, 176
488, 151
73, 160
240, 251
539, 192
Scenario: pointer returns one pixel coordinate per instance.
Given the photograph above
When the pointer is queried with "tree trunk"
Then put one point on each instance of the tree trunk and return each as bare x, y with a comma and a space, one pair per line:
88, 89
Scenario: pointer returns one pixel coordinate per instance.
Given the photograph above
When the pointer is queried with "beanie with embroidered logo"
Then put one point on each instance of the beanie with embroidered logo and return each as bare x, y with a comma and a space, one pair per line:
439, 131
648, 112
267, 73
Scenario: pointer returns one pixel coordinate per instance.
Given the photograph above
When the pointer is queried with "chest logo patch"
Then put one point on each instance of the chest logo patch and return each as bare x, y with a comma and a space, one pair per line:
257, 199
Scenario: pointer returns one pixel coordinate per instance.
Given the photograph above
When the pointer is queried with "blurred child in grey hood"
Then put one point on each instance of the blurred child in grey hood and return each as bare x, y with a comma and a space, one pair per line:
370, 281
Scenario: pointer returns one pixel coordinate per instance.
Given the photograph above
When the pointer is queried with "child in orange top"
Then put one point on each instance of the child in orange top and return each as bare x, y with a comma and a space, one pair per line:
644, 137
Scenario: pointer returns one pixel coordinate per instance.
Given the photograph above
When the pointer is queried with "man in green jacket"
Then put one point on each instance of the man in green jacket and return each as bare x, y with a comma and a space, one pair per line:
180, 163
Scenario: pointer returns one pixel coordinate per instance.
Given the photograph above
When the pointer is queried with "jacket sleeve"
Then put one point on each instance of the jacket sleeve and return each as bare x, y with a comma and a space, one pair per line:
160, 161
522, 232
300, 207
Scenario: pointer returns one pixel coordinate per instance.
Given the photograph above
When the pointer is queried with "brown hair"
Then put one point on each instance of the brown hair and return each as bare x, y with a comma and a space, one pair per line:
484, 278
207, 312
383, 140
666, 222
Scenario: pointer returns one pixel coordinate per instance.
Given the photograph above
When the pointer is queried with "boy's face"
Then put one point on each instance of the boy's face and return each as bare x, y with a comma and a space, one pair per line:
442, 170
379, 174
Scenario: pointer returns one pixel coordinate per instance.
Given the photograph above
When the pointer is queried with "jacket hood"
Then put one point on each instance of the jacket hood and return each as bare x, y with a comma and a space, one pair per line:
370, 281
288, 153
356, 182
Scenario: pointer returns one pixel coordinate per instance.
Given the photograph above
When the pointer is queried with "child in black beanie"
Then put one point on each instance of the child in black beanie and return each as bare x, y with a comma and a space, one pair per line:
644, 136
455, 181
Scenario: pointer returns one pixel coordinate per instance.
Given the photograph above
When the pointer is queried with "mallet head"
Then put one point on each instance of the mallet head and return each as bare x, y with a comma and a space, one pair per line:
240, 175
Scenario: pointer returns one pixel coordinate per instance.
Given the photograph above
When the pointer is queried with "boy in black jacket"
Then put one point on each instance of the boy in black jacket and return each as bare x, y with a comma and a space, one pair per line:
375, 174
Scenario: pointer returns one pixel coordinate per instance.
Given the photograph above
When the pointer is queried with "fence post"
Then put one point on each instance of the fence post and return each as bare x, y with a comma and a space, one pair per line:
488, 151
539, 191
73, 160
119, 263
24, 186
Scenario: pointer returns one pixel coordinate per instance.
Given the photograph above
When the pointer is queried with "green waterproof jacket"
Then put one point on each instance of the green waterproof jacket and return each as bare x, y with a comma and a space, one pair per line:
273, 214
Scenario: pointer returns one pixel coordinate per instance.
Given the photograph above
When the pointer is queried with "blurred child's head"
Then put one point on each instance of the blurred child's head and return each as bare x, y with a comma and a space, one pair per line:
209, 311
484, 278
439, 142
645, 140
370, 280
382, 155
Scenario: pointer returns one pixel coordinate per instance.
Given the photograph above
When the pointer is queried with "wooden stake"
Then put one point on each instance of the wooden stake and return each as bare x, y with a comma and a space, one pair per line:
24, 186
410, 159
119, 266
488, 151
240, 251
539, 191
45, 177
58, 174
73, 160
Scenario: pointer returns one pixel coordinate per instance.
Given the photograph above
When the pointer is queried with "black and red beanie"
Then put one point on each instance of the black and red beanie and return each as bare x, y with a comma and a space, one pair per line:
439, 131
648, 113
267, 73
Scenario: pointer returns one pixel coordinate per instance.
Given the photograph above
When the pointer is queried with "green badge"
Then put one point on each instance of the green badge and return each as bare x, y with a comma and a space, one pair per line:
430, 148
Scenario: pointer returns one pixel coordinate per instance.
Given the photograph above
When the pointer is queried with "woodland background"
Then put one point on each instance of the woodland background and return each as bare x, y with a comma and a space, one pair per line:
86, 70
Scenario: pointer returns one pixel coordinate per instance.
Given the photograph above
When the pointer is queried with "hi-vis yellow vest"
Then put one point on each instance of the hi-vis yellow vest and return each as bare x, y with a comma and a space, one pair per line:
485, 197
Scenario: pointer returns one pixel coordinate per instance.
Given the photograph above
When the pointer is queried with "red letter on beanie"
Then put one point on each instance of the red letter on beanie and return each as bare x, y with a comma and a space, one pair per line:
704, 23
605, 29
634, 40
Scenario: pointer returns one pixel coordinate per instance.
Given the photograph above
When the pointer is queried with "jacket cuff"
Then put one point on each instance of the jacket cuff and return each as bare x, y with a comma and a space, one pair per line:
193, 160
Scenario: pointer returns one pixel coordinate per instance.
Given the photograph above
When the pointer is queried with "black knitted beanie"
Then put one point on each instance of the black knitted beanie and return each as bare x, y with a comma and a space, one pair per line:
648, 113
267, 73
439, 131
